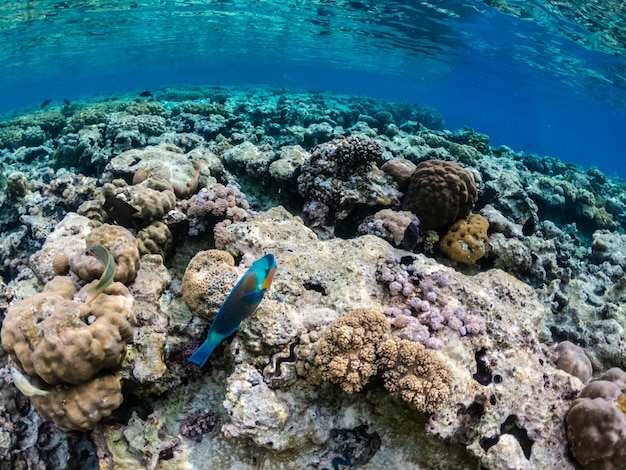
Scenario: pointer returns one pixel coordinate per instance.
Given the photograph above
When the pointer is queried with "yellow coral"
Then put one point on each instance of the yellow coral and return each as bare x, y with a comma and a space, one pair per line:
414, 374
346, 354
466, 241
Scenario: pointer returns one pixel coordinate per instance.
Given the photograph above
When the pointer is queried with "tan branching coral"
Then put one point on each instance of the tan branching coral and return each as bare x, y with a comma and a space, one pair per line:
414, 374
346, 354
122, 245
209, 277
466, 241
80, 407
440, 192
60, 340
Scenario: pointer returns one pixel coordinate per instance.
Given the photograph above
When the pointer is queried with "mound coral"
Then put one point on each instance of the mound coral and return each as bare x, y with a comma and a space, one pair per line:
121, 244
466, 241
60, 340
342, 173
573, 360
346, 354
156, 238
414, 374
440, 192
209, 277
596, 424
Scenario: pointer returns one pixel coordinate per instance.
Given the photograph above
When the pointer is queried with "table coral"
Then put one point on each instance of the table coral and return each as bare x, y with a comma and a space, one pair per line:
209, 277
466, 241
413, 373
596, 426
346, 354
440, 192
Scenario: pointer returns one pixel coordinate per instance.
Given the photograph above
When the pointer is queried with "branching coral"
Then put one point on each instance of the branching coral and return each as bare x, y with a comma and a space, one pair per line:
440, 192
346, 354
414, 374
212, 204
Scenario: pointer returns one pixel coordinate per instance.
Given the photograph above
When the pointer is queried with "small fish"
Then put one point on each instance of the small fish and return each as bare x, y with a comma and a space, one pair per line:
103, 255
145, 94
239, 305
25, 386
66, 101
411, 236
121, 212
530, 226
44, 104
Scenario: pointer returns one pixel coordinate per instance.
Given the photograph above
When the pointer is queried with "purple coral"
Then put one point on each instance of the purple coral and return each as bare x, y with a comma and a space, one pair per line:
213, 204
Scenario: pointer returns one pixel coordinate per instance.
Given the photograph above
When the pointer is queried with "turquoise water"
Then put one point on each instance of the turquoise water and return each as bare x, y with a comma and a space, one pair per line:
540, 77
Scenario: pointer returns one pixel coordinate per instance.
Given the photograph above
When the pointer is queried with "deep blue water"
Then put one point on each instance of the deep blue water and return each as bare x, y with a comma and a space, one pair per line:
540, 77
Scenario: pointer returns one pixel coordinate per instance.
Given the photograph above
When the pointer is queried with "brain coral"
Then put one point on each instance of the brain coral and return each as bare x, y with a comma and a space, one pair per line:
122, 246
596, 426
466, 241
80, 407
346, 354
209, 277
60, 340
440, 192
414, 373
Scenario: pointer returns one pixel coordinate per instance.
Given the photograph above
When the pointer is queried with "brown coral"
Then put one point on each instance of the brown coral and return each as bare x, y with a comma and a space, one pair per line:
59, 340
209, 277
156, 239
122, 246
466, 241
401, 170
80, 407
414, 374
346, 354
440, 192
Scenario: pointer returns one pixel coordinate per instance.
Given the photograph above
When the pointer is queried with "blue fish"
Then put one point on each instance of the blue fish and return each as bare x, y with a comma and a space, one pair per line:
239, 305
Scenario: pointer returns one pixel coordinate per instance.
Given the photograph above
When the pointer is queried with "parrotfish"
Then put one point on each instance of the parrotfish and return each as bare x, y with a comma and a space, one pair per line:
103, 255
239, 305
24, 385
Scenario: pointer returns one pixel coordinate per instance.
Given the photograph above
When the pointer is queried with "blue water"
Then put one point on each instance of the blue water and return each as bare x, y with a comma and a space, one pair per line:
525, 73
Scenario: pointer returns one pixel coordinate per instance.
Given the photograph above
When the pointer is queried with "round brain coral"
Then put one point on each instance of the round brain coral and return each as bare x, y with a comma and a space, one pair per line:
596, 426
346, 354
209, 277
440, 192
414, 374
60, 340
466, 241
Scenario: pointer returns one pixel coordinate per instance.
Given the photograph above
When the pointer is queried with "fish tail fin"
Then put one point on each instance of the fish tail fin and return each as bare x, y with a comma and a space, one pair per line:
201, 355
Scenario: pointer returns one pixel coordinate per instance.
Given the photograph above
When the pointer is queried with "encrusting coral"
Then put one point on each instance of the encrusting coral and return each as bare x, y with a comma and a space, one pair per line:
466, 241
440, 192
346, 354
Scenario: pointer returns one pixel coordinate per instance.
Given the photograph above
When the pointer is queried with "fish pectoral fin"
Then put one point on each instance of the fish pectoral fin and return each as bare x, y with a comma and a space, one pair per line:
253, 296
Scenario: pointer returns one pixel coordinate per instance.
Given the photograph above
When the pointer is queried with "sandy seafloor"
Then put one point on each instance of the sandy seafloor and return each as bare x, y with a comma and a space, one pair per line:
231, 168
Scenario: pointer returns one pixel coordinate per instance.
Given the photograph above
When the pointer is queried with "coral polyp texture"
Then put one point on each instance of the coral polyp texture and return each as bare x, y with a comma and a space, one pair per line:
466, 240
596, 423
346, 354
440, 193
374, 346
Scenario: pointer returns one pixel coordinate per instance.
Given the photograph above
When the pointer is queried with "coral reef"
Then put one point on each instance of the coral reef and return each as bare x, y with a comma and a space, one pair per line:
596, 423
440, 193
346, 354
466, 240
573, 360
